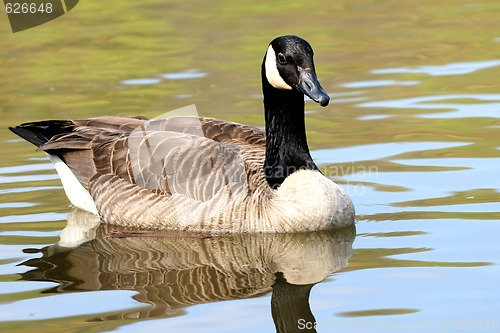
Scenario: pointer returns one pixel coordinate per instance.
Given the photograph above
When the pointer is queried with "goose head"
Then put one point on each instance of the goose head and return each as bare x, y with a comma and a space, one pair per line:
288, 65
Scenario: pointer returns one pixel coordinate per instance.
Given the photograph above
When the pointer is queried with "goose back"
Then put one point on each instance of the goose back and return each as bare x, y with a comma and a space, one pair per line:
190, 172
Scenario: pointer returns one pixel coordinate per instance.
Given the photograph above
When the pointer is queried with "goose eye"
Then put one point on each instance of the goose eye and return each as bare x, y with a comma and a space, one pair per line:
281, 58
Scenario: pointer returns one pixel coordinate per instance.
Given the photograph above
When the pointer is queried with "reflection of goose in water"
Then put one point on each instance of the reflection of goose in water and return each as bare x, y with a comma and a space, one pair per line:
171, 273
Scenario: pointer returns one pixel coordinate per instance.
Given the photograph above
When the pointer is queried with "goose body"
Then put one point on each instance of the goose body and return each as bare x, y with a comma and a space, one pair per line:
203, 174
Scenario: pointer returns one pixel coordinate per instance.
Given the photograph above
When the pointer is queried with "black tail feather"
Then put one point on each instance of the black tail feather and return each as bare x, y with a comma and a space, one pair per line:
41, 132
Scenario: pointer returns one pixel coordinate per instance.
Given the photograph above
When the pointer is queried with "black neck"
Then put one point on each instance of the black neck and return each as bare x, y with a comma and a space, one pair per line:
286, 143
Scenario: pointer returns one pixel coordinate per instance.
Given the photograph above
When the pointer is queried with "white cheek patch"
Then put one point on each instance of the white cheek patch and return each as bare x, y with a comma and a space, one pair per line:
272, 74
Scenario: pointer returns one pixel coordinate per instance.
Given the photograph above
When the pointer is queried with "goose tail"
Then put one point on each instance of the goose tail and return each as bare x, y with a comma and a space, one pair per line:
41, 132
38, 133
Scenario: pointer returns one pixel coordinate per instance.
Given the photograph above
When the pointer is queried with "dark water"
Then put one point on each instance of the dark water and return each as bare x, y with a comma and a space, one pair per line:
412, 134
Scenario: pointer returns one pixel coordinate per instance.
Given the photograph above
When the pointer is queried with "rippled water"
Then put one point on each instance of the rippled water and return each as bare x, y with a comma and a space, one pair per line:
412, 134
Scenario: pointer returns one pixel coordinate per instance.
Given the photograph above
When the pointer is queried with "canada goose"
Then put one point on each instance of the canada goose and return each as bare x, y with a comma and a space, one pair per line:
229, 177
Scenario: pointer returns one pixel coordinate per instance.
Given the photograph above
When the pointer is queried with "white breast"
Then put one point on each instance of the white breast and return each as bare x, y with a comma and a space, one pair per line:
313, 201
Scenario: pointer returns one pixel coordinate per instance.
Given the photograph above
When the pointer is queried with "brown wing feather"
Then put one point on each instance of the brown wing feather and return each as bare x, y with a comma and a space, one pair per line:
121, 123
221, 130
100, 145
